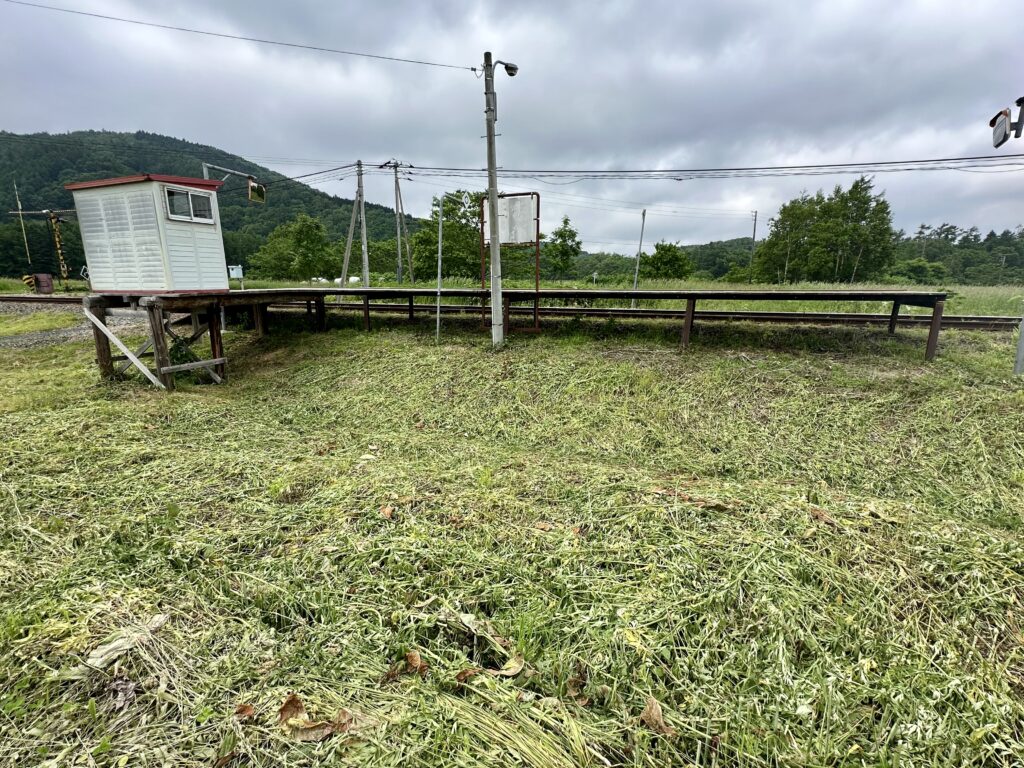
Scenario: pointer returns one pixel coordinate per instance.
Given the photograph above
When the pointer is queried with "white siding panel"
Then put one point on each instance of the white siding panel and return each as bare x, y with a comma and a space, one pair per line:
121, 239
196, 256
131, 244
94, 241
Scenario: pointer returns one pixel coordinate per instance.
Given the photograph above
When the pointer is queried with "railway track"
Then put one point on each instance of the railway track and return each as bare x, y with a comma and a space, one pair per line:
976, 322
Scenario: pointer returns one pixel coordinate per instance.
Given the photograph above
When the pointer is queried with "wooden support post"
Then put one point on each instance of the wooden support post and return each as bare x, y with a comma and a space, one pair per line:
103, 358
412, 308
321, 315
195, 322
309, 312
684, 339
161, 352
894, 317
216, 342
933, 331
366, 312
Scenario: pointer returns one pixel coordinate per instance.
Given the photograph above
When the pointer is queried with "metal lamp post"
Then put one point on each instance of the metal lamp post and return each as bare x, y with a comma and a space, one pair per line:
491, 115
1002, 125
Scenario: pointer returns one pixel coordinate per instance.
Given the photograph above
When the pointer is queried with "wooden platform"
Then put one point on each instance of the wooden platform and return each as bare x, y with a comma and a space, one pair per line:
206, 310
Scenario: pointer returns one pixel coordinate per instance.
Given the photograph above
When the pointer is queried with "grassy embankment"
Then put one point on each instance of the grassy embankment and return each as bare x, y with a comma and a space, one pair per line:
806, 546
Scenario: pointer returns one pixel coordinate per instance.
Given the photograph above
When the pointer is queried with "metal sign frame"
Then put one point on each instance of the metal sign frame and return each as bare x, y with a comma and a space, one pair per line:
484, 243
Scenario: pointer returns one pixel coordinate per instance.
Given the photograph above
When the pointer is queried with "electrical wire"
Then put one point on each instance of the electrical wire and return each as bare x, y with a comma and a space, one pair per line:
244, 38
1009, 162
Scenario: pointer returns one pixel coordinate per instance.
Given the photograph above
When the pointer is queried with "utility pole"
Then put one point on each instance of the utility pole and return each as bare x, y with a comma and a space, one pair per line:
362, 223
348, 241
405, 236
491, 115
639, 250
398, 223
21, 218
753, 240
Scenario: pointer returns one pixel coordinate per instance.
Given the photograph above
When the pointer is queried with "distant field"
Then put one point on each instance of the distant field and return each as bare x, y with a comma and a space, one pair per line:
799, 547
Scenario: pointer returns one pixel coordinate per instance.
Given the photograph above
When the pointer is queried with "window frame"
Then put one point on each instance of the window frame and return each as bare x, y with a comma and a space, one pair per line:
192, 218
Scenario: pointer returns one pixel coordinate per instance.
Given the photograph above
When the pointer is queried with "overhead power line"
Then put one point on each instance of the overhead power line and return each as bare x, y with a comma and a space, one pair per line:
244, 38
1008, 162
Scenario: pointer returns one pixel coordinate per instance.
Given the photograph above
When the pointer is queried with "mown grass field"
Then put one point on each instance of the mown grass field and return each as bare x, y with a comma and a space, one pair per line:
12, 325
785, 547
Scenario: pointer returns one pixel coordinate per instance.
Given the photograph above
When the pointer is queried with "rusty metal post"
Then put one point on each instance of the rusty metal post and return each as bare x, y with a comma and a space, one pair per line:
366, 312
933, 331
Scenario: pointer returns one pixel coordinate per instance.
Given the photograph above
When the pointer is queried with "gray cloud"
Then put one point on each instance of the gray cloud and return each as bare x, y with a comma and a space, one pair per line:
601, 85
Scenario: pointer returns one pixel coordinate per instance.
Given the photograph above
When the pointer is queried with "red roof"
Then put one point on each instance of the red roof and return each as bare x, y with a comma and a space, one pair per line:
184, 181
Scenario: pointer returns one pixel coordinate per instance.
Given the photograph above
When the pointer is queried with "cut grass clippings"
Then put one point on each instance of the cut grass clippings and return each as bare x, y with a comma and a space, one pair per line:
14, 324
785, 547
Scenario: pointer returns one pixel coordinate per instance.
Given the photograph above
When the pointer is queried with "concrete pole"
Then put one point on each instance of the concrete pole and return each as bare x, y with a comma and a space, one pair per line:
639, 250
491, 115
21, 218
348, 241
362, 223
398, 226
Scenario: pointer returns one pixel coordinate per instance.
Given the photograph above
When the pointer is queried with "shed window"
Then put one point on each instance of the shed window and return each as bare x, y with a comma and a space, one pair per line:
184, 205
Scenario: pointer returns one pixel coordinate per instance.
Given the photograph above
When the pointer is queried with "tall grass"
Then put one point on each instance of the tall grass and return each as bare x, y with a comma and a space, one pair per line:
807, 549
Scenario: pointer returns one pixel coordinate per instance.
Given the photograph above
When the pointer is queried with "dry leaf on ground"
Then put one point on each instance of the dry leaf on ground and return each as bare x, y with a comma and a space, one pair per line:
291, 709
465, 674
414, 664
512, 667
653, 718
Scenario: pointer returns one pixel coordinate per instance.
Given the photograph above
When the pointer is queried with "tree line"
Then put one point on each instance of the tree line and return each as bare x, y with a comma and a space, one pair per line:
843, 236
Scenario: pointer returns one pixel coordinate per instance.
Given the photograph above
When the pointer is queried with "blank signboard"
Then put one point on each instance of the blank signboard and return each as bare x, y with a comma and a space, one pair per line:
517, 220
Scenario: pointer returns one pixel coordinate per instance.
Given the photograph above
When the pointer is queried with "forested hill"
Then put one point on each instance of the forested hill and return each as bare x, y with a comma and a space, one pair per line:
42, 163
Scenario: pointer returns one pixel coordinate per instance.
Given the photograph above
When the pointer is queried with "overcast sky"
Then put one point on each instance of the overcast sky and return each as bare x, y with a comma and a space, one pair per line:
601, 85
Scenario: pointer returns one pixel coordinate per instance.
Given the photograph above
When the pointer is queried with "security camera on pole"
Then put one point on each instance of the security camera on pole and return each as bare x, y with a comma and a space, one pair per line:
1001, 125
491, 113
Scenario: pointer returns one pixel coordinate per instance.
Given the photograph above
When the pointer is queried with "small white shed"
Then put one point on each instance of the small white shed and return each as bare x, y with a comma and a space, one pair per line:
151, 234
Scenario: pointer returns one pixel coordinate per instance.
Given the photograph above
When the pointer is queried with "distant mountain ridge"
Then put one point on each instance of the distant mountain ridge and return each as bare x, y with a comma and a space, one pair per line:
42, 163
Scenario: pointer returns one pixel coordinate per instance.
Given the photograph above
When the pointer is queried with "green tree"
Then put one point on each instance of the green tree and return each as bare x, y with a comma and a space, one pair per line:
298, 250
562, 249
668, 262
461, 235
239, 247
42, 163
846, 236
